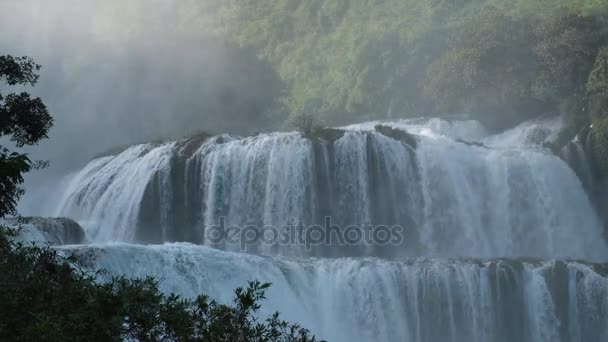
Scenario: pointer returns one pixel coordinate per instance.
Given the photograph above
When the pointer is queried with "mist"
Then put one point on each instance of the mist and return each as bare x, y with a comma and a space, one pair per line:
115, 74
398, 170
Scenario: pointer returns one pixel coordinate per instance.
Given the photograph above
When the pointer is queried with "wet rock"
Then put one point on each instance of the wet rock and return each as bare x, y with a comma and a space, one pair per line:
397, 134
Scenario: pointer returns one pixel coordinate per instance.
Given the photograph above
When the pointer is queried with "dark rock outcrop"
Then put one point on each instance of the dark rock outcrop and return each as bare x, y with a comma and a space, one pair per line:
397, 134
600, 196
329, 134
55, 231
63, 230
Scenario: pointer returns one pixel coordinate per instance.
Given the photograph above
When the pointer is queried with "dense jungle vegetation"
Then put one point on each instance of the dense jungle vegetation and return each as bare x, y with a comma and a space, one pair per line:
497, 61
347, 61
501, 61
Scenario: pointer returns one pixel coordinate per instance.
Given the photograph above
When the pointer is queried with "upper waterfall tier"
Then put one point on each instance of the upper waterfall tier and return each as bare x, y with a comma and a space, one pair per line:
452, 189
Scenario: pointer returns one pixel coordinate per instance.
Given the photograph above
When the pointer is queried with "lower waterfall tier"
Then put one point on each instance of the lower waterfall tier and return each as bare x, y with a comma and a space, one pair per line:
371, 299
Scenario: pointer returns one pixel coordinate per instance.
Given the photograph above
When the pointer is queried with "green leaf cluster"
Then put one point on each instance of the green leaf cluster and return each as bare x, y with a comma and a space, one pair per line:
25, 120
46, 295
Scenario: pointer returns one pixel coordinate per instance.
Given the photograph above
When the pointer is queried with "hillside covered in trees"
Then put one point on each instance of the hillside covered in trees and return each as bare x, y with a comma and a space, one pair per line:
258, 62
500, 62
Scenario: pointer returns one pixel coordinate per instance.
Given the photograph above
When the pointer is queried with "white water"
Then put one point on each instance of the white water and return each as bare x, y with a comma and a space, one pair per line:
367, 299
114, 187
455, 199
45, 231
465, 198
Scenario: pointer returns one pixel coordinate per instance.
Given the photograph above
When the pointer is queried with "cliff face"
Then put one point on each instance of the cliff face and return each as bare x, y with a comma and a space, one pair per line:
601, 202
599, 183
579, 155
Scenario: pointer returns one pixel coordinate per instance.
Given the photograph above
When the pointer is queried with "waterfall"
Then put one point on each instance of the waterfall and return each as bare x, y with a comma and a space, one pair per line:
45, 231
370, 299
452, 197
108, 191
488, 229
574, 153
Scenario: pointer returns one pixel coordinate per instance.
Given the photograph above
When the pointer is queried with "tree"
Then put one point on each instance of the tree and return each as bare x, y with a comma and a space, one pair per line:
305, 123
597, 85
46, 296
568, 46
26, 120
597, 89
489, 68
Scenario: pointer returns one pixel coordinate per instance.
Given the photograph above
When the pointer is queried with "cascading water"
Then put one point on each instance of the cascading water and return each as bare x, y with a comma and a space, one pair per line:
471, 206
119, 183
44, 231
453, 198
369, 299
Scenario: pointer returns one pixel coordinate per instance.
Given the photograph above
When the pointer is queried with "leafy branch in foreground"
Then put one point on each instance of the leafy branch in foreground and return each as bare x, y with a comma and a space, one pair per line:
25, 121
47, 296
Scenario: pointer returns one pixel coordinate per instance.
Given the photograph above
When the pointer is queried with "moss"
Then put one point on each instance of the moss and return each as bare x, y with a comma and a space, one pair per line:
597, 87
598, 106
598, 79
599, 146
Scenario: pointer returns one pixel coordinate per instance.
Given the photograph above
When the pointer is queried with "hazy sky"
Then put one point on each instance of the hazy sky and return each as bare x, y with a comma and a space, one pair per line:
118, 72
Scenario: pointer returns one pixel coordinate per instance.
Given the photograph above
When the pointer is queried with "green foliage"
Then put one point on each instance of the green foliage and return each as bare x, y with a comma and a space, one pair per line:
548, 8
343, 59
355, 60
597, 87
599, 146
305, 123
567, 46
26, 120
488, 68
352, 60
12, 168
598, 106
45, 296
597, 84
18, 70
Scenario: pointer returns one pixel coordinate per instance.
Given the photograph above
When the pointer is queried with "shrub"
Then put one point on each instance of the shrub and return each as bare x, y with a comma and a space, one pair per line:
305, 123
45, 296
